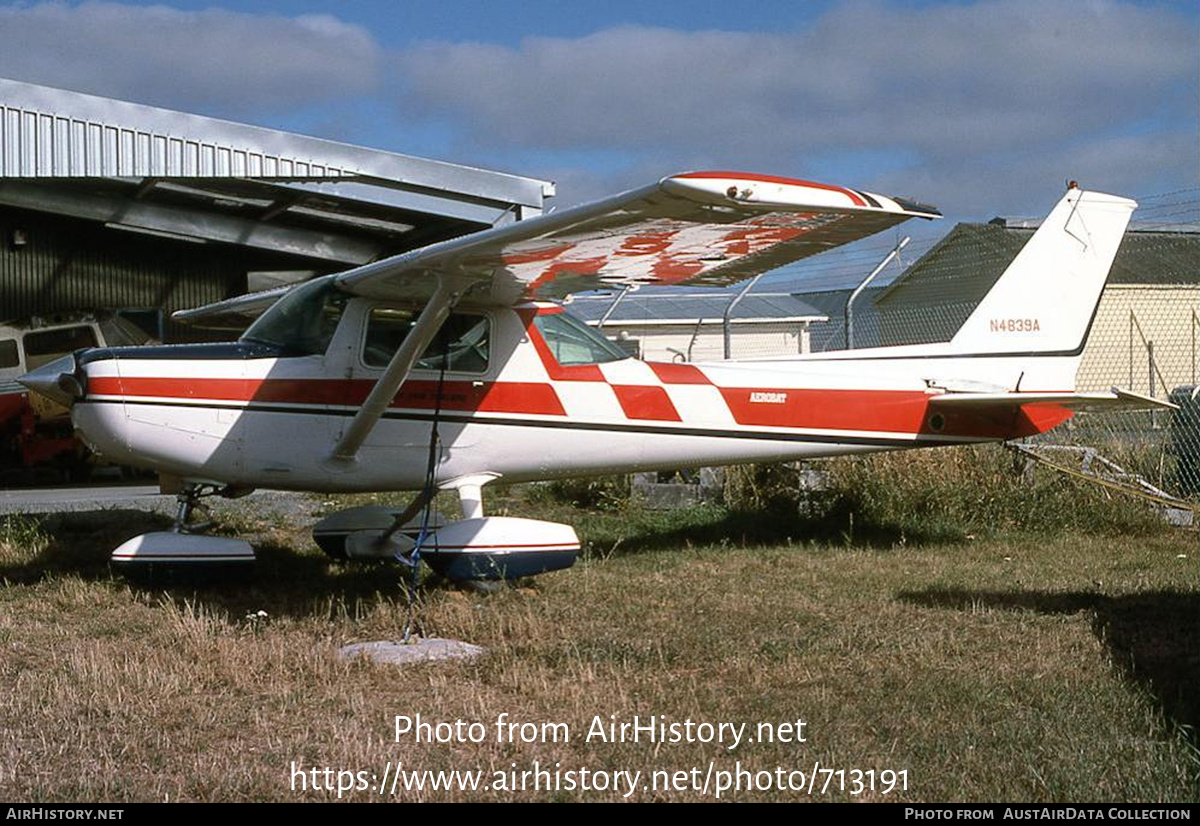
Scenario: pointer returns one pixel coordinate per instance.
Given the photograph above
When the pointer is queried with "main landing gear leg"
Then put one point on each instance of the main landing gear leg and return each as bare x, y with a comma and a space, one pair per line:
470, 494
418, 504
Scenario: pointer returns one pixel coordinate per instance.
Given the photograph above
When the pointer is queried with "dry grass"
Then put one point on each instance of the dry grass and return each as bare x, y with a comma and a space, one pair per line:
1014, 668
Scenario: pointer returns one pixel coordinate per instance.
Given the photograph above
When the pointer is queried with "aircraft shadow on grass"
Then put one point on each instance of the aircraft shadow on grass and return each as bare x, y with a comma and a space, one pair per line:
1153, 637
283, 582
289, 582
744, 528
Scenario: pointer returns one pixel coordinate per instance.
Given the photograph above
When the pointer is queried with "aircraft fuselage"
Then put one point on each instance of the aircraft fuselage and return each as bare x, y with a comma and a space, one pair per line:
520, 397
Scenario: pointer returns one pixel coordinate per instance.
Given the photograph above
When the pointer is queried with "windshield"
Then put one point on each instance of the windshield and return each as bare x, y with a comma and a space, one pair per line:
303, 322
573, 342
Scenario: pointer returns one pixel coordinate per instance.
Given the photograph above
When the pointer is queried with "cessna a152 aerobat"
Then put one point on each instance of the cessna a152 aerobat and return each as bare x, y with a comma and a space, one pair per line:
444, 368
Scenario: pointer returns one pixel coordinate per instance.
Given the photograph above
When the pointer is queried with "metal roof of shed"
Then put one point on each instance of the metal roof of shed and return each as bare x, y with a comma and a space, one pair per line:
971, 257
934, 296
199, 178
652, 306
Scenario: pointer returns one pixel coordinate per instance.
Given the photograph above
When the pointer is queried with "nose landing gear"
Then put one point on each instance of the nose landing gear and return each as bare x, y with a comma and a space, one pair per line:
186, 549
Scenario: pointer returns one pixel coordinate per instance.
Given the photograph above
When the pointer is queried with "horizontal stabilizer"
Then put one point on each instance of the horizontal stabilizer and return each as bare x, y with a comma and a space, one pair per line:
1099, 402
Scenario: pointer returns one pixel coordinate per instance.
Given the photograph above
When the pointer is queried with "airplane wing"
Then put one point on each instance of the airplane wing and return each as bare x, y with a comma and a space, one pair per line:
711, 227
1113, 400
706, 227
233, 313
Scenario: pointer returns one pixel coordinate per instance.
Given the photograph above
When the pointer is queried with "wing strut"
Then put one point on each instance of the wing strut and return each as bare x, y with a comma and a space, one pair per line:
415, 343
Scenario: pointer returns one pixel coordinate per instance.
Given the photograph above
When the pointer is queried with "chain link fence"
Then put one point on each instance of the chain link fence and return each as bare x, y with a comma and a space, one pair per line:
1144, 339
1145, 336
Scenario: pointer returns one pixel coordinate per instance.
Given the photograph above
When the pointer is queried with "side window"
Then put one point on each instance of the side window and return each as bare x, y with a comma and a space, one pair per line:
573, 343
47, 345
462, 345
8, 353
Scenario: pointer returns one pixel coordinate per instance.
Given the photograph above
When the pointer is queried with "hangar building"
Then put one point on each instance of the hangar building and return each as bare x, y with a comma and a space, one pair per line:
106, 204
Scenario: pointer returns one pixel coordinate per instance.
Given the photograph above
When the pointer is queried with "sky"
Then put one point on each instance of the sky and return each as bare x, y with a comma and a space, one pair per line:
982, 108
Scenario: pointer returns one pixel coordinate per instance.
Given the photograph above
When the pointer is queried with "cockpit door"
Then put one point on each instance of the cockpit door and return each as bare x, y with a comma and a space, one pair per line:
300, 394
450, 380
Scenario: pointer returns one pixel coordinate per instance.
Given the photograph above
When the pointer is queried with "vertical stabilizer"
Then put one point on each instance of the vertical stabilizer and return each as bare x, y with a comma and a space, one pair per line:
1046, 299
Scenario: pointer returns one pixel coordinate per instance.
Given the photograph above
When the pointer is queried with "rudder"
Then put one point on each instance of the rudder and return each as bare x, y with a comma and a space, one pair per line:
1045, 301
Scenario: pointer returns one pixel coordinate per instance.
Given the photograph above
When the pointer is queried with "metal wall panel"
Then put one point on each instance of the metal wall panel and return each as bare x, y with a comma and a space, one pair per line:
67, 264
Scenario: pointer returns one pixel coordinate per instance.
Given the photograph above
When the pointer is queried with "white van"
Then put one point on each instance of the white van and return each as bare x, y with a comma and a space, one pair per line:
35, 431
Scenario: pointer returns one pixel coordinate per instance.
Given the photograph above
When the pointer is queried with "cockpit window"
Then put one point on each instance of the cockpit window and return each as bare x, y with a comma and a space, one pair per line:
573, 342
303, 322
461, 346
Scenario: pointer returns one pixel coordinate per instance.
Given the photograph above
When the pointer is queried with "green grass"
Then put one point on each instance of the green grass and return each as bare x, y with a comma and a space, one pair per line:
1022, 666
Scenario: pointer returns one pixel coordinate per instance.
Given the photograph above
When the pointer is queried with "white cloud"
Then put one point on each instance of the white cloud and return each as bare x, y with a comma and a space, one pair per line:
939, 86
227, 61
975, 105
1028, 184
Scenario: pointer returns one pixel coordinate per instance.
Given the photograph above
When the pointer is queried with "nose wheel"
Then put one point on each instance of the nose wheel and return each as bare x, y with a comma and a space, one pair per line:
186, 550
192, 515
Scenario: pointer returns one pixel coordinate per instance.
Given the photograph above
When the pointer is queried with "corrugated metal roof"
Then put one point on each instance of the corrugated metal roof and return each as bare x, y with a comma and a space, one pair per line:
971, 257
141, 168
676, 305
46, 132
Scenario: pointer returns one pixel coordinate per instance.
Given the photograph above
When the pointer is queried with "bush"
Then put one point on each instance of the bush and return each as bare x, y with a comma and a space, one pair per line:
771, 489
604, 493
939, 494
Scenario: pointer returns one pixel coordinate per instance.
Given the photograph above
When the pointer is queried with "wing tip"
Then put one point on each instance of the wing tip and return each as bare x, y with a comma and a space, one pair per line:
739, 188
918, 209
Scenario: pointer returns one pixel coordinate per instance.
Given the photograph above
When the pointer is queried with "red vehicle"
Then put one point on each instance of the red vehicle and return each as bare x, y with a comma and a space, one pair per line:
36, 432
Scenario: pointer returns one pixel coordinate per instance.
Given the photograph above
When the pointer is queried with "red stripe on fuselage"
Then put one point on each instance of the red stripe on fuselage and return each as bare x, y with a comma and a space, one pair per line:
678, 373
648, 402
890, 411
494, 397
884, 411
878, 411
1038, 418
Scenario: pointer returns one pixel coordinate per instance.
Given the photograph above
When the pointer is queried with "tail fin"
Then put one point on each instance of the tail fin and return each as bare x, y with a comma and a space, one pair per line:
1046, 299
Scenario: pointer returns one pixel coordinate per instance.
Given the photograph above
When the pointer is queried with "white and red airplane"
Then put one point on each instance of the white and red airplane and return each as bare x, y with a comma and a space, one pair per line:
346, 384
